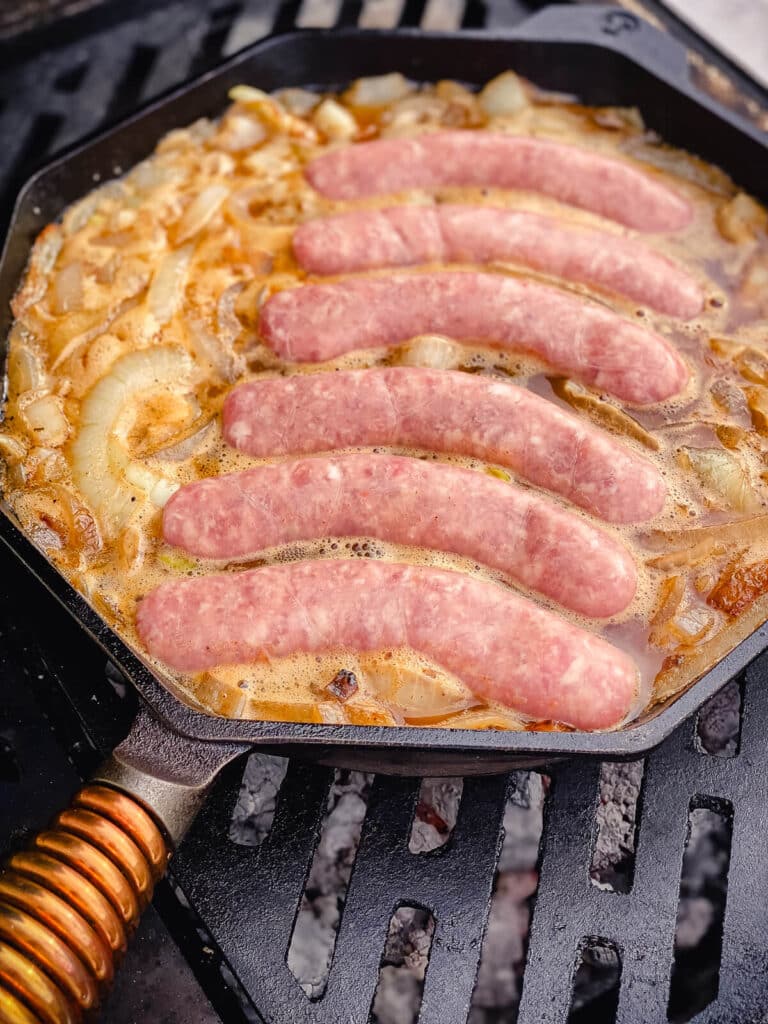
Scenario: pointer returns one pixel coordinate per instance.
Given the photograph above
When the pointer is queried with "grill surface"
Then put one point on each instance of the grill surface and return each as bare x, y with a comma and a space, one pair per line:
231, 906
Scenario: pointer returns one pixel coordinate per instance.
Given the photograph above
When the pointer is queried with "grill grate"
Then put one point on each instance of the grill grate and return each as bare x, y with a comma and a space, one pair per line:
602, 944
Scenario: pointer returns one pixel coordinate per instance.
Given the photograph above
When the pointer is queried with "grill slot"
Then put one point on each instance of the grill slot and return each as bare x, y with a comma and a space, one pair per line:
596, 983
435, 816
613, 858
403, 967
700, 913
256, 804
322, 903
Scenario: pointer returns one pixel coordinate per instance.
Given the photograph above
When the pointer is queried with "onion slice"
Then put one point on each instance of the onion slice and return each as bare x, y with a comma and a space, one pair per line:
165, 292
101, 467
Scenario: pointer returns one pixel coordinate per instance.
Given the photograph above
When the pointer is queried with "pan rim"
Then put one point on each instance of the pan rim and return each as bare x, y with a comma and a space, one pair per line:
183, 718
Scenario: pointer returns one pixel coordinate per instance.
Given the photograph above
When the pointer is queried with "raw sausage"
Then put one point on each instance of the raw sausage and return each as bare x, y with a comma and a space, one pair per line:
501, 645
315, 323
407, 235
446, 411
406, 501
580, 177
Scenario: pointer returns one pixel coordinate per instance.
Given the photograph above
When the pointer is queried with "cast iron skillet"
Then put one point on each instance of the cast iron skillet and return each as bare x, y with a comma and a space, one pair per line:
604, 56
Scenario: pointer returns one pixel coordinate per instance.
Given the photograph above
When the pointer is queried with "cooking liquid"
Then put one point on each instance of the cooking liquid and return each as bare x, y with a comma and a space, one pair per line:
246, 242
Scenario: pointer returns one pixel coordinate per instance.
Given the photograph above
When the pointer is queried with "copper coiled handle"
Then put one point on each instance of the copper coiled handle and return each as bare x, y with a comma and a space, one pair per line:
70, 902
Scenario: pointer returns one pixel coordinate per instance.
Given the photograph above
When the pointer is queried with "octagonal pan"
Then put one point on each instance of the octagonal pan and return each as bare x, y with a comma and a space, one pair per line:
159, 775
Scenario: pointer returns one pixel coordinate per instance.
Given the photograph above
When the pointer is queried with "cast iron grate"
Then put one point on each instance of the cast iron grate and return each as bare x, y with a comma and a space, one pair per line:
643, 884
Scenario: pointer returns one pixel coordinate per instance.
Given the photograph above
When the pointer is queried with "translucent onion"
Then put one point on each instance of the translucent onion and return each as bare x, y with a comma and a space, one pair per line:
68, 288
24, 370
13, 448
239, 132
503, 95
194, 444
96, 330
430, 350
723, 473
378, 90
297, 101
167, 288
418, 696
229, 326
45, 420
757, 400
272, 113
601, 412
742, 534
741, 219
334, 121
42, 260
200, 211
101, 466
216, 351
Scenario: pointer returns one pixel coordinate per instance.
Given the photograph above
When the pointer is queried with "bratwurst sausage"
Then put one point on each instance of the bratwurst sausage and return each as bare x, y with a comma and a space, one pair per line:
446, 411
406, 501
319, 322
407, 235
501, 645
580, 177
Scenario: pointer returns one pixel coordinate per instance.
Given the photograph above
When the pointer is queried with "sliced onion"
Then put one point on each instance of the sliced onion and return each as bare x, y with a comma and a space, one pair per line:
151, 174
191, 445
485, 718
229, 326
686, 558
729, 397
742, 534
68, 288
741, 219
13, 448
200, 211
418, 696
167, 288
101, 466
723, 473
100, 327
24, 370
601, 412
757, 400
42, 260
213, 350
239, 132
378, 90
753, 366
271, 112
45, 420
430, 350
503, 95
334, 121
297, 101
754, 286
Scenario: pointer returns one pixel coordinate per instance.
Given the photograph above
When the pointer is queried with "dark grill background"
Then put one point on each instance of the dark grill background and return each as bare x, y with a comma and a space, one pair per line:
231, 907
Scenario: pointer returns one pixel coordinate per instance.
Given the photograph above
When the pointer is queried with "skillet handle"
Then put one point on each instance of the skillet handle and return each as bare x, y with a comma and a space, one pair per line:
70, 902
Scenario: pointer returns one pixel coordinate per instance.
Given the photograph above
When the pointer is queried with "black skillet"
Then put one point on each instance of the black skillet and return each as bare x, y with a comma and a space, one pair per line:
606, 57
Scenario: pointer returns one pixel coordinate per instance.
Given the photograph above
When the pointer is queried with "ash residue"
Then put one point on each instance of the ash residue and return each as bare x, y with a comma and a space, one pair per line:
497, 992
255, 808
403, 966
436, 811
314, 934
613, 858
